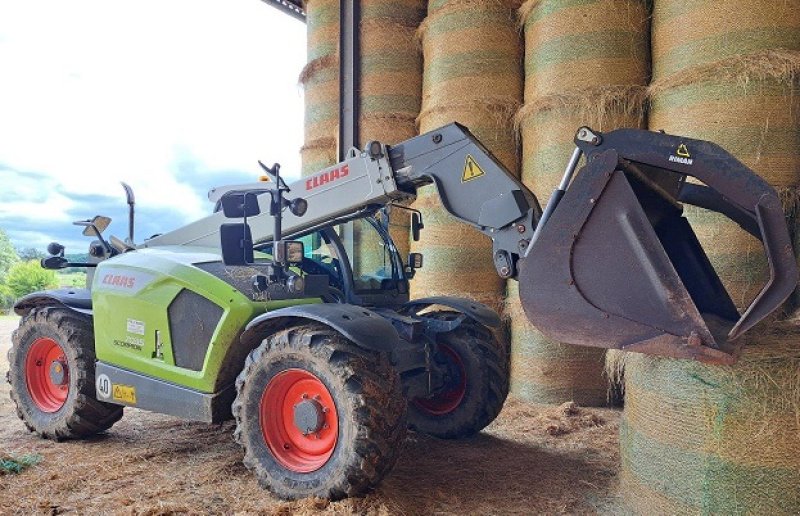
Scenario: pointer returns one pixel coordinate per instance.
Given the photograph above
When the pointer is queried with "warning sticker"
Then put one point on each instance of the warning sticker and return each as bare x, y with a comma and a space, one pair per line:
471, 170
135, 326
681, 156
124, 393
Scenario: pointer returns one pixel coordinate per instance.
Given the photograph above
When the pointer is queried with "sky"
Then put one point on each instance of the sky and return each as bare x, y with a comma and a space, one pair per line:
171, 96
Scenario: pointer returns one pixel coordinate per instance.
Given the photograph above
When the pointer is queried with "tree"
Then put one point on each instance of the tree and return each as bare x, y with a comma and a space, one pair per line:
30, 253
27, 277
8, 255
6, 298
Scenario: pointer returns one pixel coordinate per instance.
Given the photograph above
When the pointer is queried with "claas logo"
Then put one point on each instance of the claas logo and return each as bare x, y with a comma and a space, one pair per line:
119, 281
327, 177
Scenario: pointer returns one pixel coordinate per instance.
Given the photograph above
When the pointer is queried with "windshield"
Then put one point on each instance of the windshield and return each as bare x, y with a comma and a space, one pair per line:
371, 257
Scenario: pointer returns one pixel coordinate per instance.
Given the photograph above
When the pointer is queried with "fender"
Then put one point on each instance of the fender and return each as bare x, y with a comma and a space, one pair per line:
76, 299
362, 326
479, 312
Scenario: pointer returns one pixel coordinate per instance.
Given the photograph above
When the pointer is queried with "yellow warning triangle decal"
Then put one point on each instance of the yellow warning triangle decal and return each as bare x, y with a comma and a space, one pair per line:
683, 151
471, 170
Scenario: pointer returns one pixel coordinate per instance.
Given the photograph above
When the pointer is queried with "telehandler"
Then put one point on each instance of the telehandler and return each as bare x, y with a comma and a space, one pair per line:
292, 315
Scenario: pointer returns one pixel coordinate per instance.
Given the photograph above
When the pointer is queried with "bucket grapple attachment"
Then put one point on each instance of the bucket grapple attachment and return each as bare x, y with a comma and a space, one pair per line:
615, 264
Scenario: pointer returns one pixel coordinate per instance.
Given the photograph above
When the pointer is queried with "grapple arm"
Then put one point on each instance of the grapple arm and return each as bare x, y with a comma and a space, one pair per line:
732, 189
618, 265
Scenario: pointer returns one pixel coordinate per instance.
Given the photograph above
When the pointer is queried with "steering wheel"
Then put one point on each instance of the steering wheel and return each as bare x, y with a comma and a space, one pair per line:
334, 295
310, 266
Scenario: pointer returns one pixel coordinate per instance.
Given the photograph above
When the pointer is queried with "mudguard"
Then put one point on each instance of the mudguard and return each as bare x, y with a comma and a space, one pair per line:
479, 312
362, 326
76, 299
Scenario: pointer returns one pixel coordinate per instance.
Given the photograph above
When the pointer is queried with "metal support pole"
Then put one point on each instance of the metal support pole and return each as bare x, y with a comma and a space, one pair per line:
349, 75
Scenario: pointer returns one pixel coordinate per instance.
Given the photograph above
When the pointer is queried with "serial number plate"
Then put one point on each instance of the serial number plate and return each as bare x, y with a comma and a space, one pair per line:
124, 393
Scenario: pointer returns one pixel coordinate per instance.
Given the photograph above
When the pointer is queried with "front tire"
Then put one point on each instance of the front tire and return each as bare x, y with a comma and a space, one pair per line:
318, 415
51, 372
476, 385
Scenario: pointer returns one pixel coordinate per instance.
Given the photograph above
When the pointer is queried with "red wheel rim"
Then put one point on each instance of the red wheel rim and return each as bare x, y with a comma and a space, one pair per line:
45, 360
450, 397
294, 450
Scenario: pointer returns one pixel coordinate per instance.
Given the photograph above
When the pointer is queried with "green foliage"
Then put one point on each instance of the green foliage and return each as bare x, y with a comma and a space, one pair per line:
72, 279
9, 464
26, 277
8, 255
6, 298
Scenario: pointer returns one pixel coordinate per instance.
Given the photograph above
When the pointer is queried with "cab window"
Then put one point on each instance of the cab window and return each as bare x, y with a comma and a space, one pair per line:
370, 255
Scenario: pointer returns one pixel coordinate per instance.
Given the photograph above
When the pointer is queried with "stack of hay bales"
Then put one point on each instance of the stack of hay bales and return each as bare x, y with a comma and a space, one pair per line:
711, 439
320, 81
391, 80
472, 75
728, 71
544, 371
700, 439
391, 83
586, 63
390, 94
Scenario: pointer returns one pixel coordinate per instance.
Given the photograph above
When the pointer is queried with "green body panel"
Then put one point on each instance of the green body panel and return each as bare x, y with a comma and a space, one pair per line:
131, 294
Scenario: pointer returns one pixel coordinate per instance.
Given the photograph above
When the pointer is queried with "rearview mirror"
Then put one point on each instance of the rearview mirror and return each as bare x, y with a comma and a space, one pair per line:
54, 262
416, 225
289, 252
236, 242
236, 205
100, 222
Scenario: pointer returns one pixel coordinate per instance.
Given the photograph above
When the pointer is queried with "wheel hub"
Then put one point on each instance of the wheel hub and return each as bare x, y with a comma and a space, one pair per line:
58, 372
449, 397
309, 416
299, 420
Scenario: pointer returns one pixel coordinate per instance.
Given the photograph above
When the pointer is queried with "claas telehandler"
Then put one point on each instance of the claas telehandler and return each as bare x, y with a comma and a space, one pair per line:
288, 307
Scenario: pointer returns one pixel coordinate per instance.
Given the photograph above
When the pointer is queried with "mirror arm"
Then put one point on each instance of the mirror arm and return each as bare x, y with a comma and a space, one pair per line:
111, 250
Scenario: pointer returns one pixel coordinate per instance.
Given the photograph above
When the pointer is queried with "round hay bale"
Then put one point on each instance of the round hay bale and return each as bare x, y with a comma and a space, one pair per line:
702, 439
458, 261
320, 81
317, 154
390, 82
573, 45
690, 33
391, 67
544, 371
749, 105
615, 372
407, 13
322, 28
548, 126
472, 75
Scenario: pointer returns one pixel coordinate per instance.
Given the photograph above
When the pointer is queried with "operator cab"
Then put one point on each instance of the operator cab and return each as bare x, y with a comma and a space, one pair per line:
360, 259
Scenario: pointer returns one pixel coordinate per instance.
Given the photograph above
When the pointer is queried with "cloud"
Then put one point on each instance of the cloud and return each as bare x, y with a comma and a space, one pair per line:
171, 97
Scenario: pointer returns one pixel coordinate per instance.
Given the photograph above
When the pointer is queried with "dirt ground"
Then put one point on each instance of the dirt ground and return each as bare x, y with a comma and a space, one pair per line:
533, 459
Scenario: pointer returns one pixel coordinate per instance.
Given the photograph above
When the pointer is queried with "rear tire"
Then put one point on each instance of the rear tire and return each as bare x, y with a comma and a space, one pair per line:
476, 389
51, 372
359, 420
